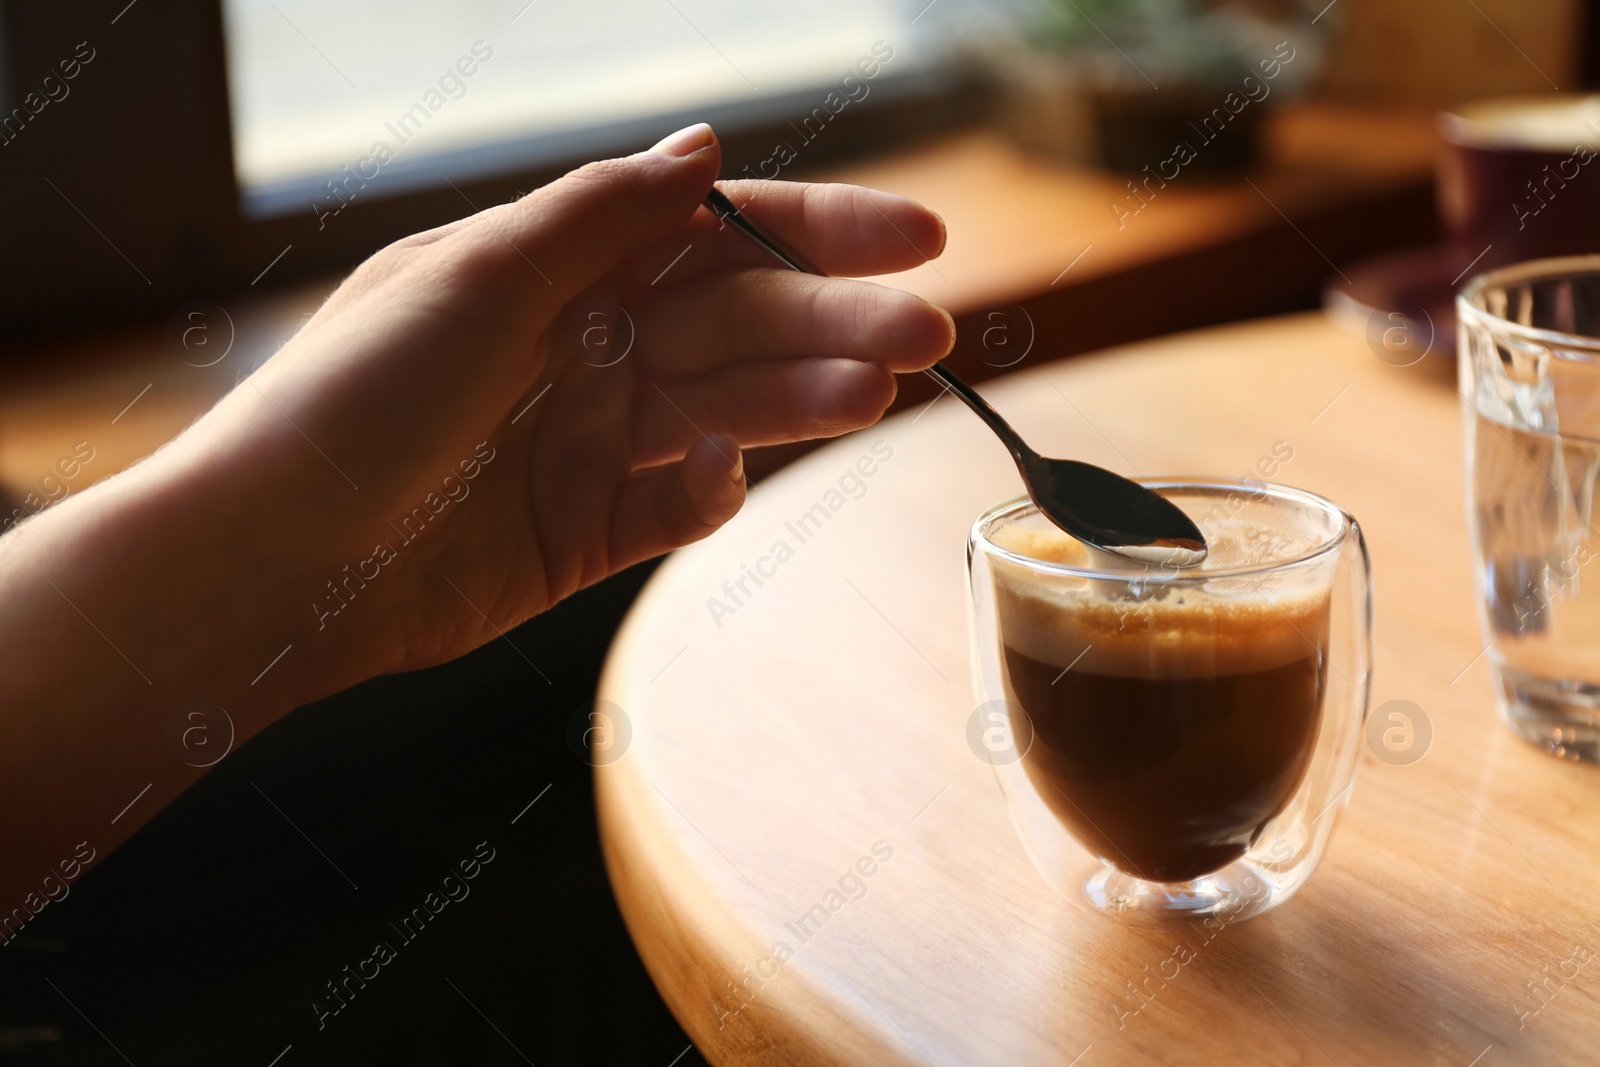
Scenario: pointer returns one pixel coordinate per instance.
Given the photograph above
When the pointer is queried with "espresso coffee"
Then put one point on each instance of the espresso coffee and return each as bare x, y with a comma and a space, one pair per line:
1165, 733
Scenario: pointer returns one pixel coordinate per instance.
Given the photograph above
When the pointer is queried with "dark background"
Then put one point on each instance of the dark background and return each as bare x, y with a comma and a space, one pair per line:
205, 938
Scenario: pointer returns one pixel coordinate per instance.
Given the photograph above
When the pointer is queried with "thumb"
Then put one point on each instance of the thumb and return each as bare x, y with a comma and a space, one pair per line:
581, 225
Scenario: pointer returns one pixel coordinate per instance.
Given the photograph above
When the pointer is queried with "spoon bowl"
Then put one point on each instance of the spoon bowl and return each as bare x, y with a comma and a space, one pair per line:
1112, 513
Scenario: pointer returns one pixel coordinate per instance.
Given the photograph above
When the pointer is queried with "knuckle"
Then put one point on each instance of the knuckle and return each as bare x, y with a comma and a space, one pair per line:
853, 305
605, 173
385, 262
478, 262
739, 298
830, 201
477, 257
718, 405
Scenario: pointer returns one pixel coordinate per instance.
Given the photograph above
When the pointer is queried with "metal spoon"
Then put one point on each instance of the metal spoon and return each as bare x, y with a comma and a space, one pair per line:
1099, 508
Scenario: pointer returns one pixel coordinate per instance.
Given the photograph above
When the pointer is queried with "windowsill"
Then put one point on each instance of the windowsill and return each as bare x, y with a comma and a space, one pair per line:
1022, 232
1017, 222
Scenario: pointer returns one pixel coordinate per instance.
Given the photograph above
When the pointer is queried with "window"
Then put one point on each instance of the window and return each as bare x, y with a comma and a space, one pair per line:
229, 121
318, 85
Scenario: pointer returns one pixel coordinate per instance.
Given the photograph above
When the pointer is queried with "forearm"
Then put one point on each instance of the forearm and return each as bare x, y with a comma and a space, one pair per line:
134, 632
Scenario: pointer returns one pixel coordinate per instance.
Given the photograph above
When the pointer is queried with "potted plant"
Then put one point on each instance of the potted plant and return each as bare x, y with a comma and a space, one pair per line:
1124, 83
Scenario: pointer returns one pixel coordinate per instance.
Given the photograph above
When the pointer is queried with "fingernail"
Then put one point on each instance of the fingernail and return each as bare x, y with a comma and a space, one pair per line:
944, 231
952, 321
686, 141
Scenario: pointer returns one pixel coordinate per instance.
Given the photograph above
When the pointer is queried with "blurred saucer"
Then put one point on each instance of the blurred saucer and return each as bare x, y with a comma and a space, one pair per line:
1402, 303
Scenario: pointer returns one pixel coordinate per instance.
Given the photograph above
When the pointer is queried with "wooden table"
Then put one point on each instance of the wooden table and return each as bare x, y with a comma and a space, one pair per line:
774, 746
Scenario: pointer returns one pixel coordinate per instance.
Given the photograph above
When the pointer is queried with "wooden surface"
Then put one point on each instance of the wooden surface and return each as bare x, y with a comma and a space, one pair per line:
129, 391
1018, 222
827, 713
1015, 222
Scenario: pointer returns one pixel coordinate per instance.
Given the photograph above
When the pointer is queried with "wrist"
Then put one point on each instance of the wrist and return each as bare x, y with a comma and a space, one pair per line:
152, 589
133, 616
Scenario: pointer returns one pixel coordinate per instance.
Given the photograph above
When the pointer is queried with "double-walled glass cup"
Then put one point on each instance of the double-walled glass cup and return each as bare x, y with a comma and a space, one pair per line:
1175, 743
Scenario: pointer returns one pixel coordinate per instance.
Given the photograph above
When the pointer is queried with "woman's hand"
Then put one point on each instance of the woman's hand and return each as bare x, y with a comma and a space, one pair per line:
609, 344
481, 420
487, 417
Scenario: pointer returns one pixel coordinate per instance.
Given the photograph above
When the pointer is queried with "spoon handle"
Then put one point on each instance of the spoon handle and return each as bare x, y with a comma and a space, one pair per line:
726, 210
980, 407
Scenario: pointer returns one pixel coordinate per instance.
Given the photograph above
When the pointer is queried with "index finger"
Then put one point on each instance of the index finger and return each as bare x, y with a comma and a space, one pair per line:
845, 230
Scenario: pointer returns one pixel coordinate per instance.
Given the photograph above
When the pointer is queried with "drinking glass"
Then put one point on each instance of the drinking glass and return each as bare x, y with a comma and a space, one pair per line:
1530, 381
1175, 743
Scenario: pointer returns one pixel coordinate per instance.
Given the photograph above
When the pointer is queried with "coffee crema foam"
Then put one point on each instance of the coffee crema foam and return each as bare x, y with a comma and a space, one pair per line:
1229, 625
